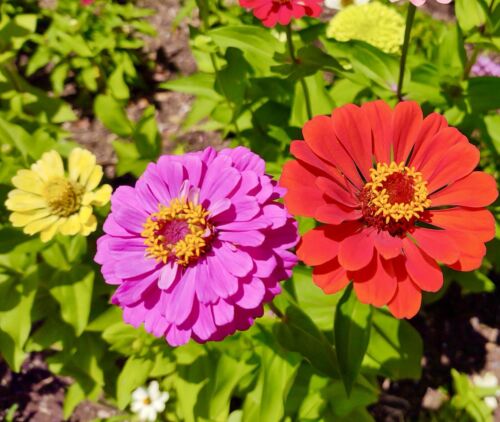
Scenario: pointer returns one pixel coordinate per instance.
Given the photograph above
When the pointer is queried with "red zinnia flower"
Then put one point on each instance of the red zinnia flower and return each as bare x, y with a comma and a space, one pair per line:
397, 194
271, 12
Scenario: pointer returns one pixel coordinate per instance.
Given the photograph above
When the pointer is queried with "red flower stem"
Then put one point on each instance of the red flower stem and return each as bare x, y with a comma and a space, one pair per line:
291, 50
402, 64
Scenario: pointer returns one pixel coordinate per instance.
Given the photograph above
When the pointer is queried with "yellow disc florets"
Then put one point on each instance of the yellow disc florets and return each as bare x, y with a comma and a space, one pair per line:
180, 232
373, 23
395, 192
63, 196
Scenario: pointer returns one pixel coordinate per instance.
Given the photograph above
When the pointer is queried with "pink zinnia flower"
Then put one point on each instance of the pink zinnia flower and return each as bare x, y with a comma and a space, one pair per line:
419, 3
271, 12
86, 2
198, 245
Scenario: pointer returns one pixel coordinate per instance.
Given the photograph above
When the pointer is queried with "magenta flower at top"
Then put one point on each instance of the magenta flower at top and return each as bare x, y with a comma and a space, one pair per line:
198, 245
419, 3
86, 2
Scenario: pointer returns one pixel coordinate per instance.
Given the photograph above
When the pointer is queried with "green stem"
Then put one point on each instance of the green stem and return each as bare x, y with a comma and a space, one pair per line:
275, 310
402, 64
470, 62
291, 50
204, 11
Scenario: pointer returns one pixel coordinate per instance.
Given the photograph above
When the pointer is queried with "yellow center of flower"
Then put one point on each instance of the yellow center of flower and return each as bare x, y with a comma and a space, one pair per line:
180, 232
63, 196
394, 198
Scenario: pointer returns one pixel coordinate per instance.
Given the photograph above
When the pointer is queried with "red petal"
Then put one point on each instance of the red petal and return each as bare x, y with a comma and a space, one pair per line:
301, 151
337, 191
458, 162
422, 269
356, 251
479, 222
380, 115
302, 197
388, 246
407, 300
376, 283
330, 277
336, 214
406, 123
437, 244
431, 125
318, 246
353, 131
476, 190
434, 151
319, 134
472, 251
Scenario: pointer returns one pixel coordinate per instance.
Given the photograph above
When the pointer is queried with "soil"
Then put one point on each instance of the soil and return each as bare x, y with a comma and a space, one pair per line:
459, 332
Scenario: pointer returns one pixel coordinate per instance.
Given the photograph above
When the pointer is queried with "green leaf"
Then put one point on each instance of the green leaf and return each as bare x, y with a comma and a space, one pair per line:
15, 315
299, 334
74, 396
134, 374
112, 114
117, 85
199, 84
471, 13
312, 300
146, 135
266, 402
73, 291
352, 334
395, 348
482, 93
473, 282
321, 102
256, 43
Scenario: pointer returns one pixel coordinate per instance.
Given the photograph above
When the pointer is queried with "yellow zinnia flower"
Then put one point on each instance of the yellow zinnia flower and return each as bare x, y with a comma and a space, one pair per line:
373, 23
48, 200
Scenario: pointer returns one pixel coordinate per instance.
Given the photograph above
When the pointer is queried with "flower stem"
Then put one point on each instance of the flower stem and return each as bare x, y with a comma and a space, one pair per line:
275, 310
402, 64
291, 50
204, 12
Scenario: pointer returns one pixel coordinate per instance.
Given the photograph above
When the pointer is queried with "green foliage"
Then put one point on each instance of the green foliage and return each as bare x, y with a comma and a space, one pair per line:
315, 357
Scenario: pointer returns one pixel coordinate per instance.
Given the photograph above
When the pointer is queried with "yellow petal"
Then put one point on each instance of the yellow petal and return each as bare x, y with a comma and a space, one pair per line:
49, 166
99, 197
81, 163
71, 226
50, 231
94, 178
28, 181
20, 219
39, 225
85, 213
89, 226
19, 200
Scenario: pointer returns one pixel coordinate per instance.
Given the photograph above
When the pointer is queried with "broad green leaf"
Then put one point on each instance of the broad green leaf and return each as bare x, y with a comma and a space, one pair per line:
395, 348
341, 404
266, 402
199, 84
482, 93
257, 44
74, 396
112, 114
353, 321
471, 13
73, 290
321, 102
133, 375
298, 333
15, 315
312, 300
146, 135
117, 85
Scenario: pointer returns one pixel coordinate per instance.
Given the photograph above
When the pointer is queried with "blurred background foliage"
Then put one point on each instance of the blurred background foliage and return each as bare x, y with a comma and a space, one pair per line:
66, 60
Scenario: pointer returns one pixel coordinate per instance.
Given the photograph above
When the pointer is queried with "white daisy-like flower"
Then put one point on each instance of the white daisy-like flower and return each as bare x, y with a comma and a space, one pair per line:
147, 403
487, 380
340, 4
